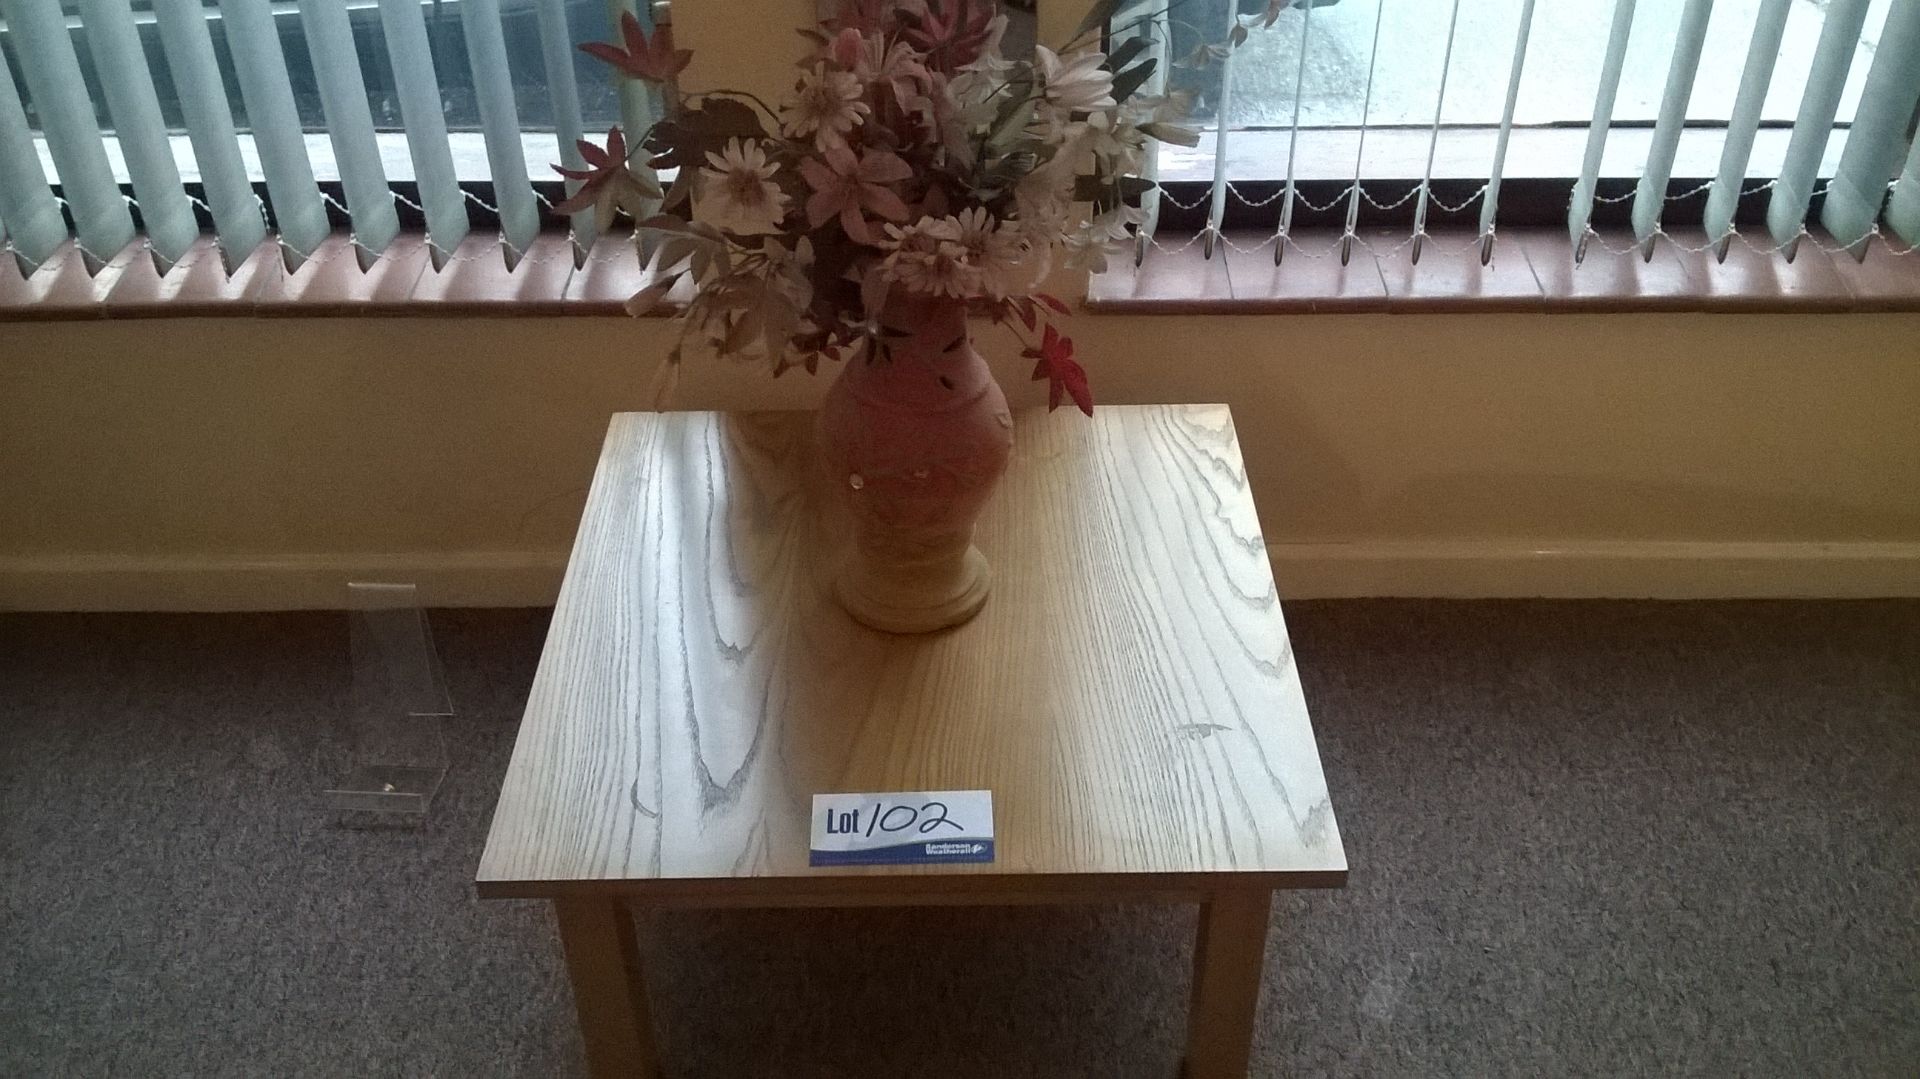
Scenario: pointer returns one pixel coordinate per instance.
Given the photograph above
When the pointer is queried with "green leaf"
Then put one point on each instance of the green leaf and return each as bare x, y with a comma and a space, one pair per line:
725, 118
1125, 83
1012, 122
746, 326
686, 137
1109, 191
1171, 133
680, 192
641, 303
1124, 55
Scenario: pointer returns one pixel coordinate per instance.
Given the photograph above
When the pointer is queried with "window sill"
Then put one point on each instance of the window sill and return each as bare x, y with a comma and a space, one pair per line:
1531, 271
474, 282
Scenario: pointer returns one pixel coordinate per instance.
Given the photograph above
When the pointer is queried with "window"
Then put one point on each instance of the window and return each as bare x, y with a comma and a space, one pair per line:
370, 114
586, 20
1410, 96
1565, 49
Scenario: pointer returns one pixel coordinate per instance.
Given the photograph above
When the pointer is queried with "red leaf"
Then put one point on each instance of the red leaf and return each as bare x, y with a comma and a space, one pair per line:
604, 166
632, 34
1064, 375
1027, 313
654, 60
1053, 302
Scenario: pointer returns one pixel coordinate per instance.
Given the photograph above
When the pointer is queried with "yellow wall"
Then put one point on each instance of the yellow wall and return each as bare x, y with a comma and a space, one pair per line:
260, 462
748, 45
178, 454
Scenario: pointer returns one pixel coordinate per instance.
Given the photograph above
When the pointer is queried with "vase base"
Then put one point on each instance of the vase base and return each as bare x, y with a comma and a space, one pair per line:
902, 610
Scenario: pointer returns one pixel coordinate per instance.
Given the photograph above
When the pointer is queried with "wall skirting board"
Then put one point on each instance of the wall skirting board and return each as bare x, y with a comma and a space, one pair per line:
1614, 569
102, 582
1439, 568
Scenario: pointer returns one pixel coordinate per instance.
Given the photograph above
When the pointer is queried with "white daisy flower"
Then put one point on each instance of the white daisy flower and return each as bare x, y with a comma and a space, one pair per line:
736, 191
826, 106
1076, 84
993, 252
1088, 246
1043, 198
1112, 137
927, 257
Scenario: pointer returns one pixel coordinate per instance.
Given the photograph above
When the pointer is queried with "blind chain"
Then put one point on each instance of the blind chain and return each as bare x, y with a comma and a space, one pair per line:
1890, 243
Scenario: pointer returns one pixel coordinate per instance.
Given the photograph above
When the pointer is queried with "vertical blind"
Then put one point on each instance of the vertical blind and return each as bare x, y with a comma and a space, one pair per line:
1873, 192
47, 40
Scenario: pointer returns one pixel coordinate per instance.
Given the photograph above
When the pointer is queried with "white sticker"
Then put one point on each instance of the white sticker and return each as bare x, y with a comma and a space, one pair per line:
902, 828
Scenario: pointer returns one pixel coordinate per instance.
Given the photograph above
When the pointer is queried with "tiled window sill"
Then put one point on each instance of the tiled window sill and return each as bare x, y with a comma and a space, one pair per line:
1530, 271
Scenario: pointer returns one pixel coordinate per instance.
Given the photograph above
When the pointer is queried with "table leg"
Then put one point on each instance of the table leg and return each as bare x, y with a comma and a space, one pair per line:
1227, 958
603, 961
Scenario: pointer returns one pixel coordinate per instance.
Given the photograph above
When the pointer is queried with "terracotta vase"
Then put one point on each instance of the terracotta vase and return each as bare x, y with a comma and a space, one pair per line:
914, 441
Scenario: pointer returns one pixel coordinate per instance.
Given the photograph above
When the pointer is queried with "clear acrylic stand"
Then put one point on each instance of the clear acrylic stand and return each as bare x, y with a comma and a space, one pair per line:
397, 755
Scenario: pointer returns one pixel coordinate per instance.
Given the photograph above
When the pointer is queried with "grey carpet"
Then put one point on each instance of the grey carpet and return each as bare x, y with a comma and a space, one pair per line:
1588, 839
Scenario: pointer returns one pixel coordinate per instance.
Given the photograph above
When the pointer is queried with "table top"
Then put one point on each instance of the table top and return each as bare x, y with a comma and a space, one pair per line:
1128, 694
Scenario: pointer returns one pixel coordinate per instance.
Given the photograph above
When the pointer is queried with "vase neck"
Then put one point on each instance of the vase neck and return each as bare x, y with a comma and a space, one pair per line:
933, 323
928, 365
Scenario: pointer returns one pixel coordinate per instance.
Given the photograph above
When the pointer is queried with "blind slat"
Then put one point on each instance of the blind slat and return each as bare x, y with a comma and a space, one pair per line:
1650, 196
29, 214
1293, 139
1581, 211
237, 221
262, 70
1903, 206
556, 52
417, 85
1156, 32
44, 49
1880, 134
1360, 151
1763, 53
1217, 198
1433, 137
500, 122
343, 99
1490, 208
1832, 58
128, 85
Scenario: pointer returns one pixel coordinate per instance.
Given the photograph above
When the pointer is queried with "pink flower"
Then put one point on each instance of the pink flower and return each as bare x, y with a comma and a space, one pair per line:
826, 106
954, 33
846, 48
848, 186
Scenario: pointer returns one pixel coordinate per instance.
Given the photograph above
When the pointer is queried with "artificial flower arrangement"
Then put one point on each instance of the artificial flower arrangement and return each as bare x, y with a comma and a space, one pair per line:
911, 156
915, 178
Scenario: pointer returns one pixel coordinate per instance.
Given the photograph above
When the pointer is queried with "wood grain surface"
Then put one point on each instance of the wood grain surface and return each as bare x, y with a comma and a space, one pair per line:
1128, 694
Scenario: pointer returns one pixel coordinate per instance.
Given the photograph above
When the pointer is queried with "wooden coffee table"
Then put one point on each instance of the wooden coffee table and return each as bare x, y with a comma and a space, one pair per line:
1128, 695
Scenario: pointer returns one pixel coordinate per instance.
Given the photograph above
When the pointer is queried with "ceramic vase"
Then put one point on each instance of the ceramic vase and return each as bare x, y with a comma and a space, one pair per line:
915, 434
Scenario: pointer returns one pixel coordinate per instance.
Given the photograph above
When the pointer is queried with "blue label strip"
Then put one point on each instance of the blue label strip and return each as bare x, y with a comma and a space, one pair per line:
939, 850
